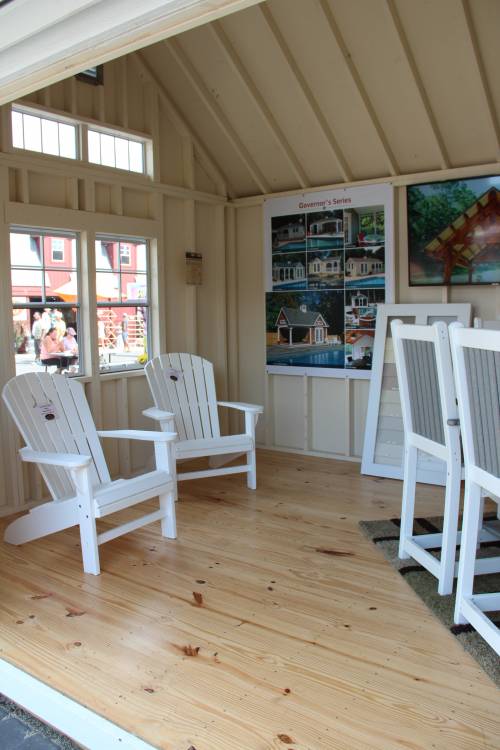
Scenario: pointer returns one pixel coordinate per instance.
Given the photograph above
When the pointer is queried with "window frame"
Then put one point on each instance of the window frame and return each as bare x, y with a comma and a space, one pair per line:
147, 242
42, 114
63, 234
124, 135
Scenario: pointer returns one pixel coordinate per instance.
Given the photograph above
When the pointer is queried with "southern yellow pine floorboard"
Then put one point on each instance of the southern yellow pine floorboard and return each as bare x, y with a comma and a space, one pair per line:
270, 623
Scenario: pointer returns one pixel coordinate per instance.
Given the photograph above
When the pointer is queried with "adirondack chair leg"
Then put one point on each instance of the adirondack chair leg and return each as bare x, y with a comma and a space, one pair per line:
166, 461
168, 523
86, 516
408, 503
470, 530
450, 525
43, 520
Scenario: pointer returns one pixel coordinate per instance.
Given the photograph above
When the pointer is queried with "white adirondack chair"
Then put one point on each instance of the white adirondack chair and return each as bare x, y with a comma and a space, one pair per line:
183, 390
54, 419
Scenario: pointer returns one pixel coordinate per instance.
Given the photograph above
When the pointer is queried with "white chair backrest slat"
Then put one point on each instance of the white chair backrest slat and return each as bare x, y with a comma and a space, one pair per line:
208, 369
71, 429
182, 397
190, 395
194, 399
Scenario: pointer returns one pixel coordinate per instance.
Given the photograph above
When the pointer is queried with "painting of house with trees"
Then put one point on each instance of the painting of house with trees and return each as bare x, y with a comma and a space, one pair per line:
454, 232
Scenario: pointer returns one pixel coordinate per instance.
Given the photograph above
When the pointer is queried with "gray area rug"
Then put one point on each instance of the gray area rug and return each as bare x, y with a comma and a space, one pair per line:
385, 534
20, 730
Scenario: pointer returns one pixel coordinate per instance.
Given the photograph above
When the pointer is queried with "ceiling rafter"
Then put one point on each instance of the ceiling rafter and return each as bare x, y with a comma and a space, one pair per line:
264, 110
216, 111
181, 124
391, 159
307, 92
403, 40
478, 59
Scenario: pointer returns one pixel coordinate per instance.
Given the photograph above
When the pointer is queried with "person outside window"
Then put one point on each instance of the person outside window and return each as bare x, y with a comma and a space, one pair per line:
59, 325
125, 332
52, 352
36, 332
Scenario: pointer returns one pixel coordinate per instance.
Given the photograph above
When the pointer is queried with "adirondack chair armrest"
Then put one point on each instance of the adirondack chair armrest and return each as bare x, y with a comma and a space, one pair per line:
255, 408
64, 460
158, 414
152, 435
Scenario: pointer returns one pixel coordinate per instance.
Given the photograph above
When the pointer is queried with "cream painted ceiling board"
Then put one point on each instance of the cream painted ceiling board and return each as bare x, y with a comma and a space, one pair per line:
192, 109
322, 64
376, 50
102, 31
439, 38
277, 84
211, 63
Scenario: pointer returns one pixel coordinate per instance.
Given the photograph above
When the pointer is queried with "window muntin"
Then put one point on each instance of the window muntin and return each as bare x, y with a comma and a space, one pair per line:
46, 135
44, 295
115, 151
57, 250
123, 311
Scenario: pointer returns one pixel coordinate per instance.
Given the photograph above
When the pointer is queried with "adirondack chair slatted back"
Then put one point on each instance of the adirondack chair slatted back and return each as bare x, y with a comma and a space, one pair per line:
184, 385
423, 387
32, 399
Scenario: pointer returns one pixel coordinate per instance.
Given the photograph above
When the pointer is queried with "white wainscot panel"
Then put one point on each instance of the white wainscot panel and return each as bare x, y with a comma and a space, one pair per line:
360, 391
327, 415
289, 411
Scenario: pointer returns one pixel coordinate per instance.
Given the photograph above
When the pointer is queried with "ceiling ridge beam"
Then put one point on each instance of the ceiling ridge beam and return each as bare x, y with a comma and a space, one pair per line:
307, 93
182, 126
391, 159
478, 58
217, 113
264, 110
410, 59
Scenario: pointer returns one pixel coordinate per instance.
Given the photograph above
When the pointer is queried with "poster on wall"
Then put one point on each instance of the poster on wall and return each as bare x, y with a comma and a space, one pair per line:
454, 232
328, 267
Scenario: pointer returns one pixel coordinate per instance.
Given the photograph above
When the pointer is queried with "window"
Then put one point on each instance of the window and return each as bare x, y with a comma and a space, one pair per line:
45, 135
123, 312
115, 151
57, 248
93, 75
45, 300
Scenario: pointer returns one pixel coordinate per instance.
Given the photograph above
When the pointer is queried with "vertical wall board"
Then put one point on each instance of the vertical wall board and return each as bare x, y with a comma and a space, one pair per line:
110, 422
171, 165
136, 203
102, 198
202, 179
327, 413
174, 249
289, 413
142, 453
360, 391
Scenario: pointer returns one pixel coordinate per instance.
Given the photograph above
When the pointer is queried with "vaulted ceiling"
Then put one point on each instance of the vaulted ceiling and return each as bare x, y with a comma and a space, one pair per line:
294, 94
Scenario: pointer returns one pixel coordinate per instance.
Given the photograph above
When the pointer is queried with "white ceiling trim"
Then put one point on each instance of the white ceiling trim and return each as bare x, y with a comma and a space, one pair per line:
47, 42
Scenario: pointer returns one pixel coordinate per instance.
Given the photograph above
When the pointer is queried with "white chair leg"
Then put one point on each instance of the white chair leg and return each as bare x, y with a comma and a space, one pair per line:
470, 530
168, 522
408, 501
86, 519
252, 472
450, 528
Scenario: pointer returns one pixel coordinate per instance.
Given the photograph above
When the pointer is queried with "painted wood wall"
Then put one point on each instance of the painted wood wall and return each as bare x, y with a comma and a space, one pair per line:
324, 416
182, 209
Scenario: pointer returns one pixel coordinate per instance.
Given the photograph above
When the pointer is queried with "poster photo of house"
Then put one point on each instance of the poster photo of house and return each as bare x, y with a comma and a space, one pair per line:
325, 270
290, 271
325, 230
288, 233
361, 307
359, 349
305, 328
454, 232
365, 267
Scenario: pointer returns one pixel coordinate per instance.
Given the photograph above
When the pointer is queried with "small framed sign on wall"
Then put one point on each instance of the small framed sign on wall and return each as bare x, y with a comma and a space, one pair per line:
329, 265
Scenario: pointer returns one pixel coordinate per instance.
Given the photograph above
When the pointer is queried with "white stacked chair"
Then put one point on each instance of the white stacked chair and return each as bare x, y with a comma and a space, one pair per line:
431, 425
183, 390
54, 419
476, 359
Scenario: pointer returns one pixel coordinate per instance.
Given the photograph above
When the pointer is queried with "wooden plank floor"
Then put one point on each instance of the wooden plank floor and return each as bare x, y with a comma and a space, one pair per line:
287, 646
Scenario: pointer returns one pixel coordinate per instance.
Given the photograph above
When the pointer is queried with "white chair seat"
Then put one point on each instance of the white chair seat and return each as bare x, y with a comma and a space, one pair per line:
123, 492
213, 446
